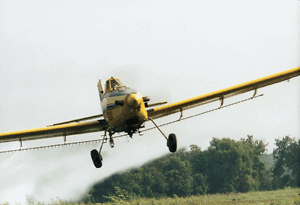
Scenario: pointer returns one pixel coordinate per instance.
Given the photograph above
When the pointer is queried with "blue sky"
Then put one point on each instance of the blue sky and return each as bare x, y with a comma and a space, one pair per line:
52, 54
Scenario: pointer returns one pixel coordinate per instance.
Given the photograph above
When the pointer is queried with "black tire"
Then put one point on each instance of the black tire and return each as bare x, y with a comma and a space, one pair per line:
96, 158
172, 142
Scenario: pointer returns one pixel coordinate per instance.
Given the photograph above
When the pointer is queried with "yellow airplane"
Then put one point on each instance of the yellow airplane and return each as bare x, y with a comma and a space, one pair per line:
126, 110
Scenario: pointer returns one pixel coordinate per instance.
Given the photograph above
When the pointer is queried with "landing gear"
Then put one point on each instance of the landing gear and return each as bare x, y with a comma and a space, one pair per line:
171, 140
172, 143
111, 141
96, 156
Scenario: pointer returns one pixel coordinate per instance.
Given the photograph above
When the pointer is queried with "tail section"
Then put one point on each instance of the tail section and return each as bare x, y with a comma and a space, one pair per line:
100, 89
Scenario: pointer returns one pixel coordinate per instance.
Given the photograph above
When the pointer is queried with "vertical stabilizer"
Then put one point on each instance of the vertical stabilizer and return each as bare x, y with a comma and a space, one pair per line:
100, 89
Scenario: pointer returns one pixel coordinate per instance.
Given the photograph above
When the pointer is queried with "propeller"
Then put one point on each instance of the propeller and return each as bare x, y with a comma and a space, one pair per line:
144, 80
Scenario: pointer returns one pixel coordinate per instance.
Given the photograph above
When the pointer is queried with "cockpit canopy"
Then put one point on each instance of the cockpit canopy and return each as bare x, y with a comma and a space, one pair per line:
113, 84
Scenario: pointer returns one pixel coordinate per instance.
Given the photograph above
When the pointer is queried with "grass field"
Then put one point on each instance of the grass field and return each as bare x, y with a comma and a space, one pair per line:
279, 197
286, 196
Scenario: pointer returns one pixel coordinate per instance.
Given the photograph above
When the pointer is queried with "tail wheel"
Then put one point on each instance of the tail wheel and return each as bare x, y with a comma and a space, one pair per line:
172, 143
97, 159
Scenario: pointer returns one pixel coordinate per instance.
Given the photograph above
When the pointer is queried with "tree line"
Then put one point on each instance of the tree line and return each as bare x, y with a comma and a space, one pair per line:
225, 166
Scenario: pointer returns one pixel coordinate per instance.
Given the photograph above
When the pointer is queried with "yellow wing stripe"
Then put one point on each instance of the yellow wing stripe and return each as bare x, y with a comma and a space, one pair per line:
223, 93
55, 131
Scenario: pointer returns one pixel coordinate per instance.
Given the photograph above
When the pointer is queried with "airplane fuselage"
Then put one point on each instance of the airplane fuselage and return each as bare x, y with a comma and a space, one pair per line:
123, 110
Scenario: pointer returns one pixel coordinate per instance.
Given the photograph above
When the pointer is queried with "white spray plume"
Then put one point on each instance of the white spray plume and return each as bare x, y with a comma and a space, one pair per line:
67, 173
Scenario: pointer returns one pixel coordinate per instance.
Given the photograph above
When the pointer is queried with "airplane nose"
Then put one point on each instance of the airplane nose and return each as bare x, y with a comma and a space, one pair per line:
134, 100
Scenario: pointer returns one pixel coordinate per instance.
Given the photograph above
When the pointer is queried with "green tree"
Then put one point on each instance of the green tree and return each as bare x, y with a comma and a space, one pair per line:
286, 158
226, 166
198, 160
178, 175
119, 197
235, 166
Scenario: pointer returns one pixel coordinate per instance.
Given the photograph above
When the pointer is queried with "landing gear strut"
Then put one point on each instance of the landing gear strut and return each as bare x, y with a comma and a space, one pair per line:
96, 156
111, 141
171, 140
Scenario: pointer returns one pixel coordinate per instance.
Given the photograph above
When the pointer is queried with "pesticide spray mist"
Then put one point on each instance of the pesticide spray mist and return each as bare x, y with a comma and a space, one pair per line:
67, 173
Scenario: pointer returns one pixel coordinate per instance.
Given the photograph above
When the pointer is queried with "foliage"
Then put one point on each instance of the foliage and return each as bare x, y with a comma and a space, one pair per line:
120, 197
236, 166
226, 166
286, 158
268, 160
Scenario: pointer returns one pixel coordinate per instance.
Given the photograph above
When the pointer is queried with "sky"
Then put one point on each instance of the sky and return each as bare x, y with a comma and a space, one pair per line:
52, 54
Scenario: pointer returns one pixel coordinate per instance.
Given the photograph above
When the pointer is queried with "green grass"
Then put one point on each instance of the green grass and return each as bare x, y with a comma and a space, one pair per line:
286, 196
278, 197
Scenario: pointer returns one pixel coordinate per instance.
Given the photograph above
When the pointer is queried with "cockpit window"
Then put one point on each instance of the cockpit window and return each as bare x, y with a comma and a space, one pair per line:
112, 84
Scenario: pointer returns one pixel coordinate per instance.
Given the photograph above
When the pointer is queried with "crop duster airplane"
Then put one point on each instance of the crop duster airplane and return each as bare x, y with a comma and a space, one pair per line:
126, 110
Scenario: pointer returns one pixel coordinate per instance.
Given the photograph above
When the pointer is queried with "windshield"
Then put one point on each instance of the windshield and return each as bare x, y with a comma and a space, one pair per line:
112, 84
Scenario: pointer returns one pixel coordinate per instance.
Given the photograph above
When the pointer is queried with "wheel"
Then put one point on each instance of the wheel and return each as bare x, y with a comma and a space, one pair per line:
172, 142
97, 159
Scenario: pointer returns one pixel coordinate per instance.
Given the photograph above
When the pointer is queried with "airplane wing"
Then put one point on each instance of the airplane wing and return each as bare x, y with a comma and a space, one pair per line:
222, 94
63, 129
75, 127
